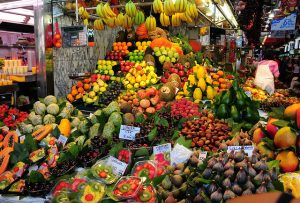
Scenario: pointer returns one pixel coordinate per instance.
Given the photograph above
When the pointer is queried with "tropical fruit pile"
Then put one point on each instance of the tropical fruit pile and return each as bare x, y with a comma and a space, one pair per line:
235, 104
166, 54
79, 90
97, 88
221, 81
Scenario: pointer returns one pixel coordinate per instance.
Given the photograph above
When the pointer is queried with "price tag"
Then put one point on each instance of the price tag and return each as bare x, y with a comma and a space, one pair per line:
33, 168
118, 166
22, 138
128, 132
248, 149
202, 155
249, 94
262, 114
62, 139
160, 149
162, 154
180, 154
18, 132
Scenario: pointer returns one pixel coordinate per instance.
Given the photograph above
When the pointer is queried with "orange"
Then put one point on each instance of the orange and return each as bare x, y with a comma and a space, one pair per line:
119, 43
116, 48
221, 80
216, 83
74, 88
87, 80
86, 86
216, 76
123, 43
115, 44
129, 44
120, 47
223, 86
70, 98
78, 96
79, 84
125, 48
126, 52
220, 73
74, 92
80, 90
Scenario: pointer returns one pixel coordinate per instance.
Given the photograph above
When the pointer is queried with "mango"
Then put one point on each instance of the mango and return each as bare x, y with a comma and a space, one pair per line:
298, 118
263, 150
272, 129
285, 138
290, 111
258, 135
197, 94
288, 161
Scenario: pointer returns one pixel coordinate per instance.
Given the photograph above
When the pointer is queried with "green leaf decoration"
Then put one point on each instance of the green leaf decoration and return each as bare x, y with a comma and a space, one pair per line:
182, 141
281, 123
156, 120
116, 149
20, 153
274, 164
157, 180
277, 112
140, 119
164, 122
74, 150
175, 135
30, 143
278, 185
152, 135
36, 177
56, 132
268, 143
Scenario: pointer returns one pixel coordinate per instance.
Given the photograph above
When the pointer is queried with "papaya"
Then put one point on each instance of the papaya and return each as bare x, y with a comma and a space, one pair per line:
10, 139
298, 118
6, 151
4, 162
65, 127
42, 132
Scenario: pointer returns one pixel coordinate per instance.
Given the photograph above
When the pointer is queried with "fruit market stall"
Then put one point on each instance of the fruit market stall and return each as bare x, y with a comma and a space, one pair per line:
155, 120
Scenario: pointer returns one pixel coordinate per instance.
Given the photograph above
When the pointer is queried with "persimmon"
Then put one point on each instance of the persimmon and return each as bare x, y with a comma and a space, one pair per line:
86, 86
74, 92
216, 76
123, 43
78, 96
80, 90
223, 86
129, 44
74, 88
220, 73
216, 83
79, 84
222, 80
70, 98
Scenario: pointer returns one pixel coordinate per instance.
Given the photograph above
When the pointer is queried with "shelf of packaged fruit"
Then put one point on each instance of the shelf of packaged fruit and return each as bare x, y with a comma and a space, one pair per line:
26, 77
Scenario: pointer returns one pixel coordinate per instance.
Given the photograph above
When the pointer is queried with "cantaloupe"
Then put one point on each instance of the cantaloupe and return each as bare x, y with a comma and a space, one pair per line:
167, 92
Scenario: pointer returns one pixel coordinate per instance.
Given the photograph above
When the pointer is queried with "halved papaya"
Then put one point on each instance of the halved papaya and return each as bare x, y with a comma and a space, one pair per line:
4, 162
6, 151
42, 132
10, 139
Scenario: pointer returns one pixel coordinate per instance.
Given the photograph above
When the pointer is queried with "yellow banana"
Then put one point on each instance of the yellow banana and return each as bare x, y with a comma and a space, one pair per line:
130, 9
85, 21
120, 19
150, 23
110, 22
127, 22
164, 20
180, 6
99, 10
108, 11
81, 10
98, 24
158, 6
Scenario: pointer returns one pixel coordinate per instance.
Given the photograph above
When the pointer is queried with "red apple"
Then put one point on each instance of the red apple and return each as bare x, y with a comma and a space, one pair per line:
181, 73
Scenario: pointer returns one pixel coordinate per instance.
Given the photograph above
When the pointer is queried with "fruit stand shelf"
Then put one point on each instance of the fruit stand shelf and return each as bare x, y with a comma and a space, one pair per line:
28, 77
9, 88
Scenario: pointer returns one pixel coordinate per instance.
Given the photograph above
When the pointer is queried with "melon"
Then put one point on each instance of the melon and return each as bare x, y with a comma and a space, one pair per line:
167, 92
175, 80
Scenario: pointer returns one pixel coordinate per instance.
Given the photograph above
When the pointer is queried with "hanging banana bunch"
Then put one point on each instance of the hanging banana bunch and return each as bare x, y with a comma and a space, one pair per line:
158, 6
110, 22
150, 23
192, 11
176, 20
83, 13
98, 24
169, 7
180, 6
139, 18
184, 17
164, 20
130, 9
120, 19
127, 22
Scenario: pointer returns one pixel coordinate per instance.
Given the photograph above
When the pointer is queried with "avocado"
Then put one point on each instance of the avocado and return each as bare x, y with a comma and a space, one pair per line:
222, 111
227, 98
234, 113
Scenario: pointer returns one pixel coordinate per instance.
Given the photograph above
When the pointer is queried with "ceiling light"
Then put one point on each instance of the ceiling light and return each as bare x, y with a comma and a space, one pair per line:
20, 11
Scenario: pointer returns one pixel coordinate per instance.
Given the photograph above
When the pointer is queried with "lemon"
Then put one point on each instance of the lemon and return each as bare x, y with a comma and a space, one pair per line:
111, 72
129, 86
147, 82
144, 43
132, 81
102, 89
153, 81
143, 84
96, 88
148, 43
136, 85
92, 94
138, 44
108, 62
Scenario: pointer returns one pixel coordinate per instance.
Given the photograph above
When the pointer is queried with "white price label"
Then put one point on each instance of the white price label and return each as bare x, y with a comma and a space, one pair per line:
18, 132
164, 148
128, 132
202, 155
248, 149
249, 94
33, 168
22, 138
180, 154
62, 139
118, 166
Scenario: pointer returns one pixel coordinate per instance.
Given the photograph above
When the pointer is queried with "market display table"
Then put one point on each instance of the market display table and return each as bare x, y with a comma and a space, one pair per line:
27, 77
10, 89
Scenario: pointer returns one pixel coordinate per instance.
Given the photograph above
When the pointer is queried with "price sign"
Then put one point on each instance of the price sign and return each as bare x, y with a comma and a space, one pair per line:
249, 94
18, 132
62, 139
118, 166
33, 168
22, 138
160, 149
180, 154
202, 155
248, 149
128, 132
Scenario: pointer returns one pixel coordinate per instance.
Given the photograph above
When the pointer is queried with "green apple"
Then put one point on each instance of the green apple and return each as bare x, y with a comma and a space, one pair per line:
131, 58
170, 54
136, 58
162, 59
106, 72
173, 60
168, 58
158, 53
141, 58
156, 49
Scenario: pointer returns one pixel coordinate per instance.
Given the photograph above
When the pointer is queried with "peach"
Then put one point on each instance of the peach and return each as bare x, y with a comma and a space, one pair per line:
272, 129
145, 103
288, 161
258, 135
285, 138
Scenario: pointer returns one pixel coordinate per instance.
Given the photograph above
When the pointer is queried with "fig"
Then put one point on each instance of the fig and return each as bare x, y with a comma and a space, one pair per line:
237, 189
247, 192
166, 183
241, 176
228, 194
251, 170
262, 188
211, 162
261, 165
216, 196
170, 199
259, 177
229, 164
218, 167
217, 178
239, 156
266, 176
226, 183
249, 185
177, 180
241, 164
229, 172
231, 155
199, 199
254, 158
212, 188
207, 173
270, 186
274, 174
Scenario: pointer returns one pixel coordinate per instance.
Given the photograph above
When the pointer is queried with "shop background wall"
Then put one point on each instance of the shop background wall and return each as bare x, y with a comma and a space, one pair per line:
79, 59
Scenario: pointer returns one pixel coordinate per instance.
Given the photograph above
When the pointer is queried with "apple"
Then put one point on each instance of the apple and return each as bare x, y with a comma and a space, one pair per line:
181, 73
166, 74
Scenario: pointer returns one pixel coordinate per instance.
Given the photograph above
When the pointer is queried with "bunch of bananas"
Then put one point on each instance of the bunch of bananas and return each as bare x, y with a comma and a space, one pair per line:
120, 19
191, 10
164, 20
98, 24
158, 6
83, 13
139, 18
110, 22
127, 22
186, 18
86, 22
176, 19
104, 11
150, 23
130, 9
169, 7
180, 6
